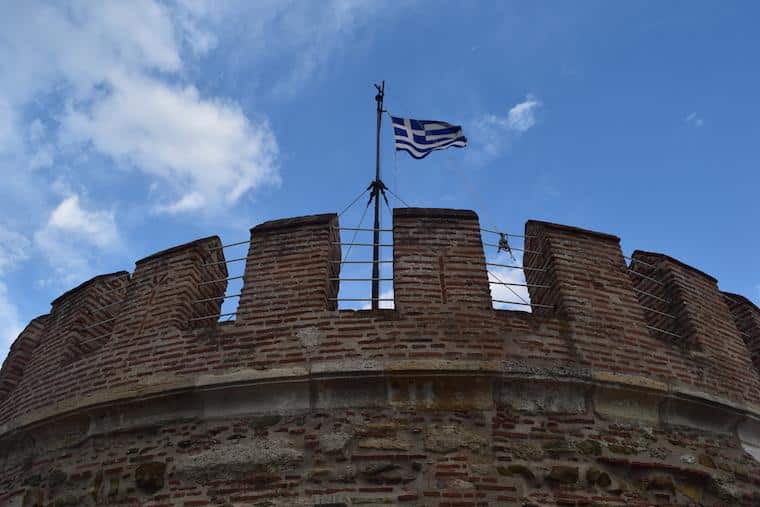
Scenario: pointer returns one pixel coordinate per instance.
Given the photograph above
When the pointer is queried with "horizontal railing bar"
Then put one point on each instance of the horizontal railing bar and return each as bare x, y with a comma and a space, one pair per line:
221, 280
360, 244
523, 304
508, 234
521, 284
213, 316
639, 261
642, 275
229, 245
99, 323
113, 289
663, 331
658, 298
361, 279
658, 311
224, 261
361, 262
513, 267
359, 299
513, 248
218, 297
363, 229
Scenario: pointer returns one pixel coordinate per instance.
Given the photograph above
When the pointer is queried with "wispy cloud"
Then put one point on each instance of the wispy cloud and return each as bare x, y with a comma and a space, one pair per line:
515, 295
14, 248
694, 120
305, 34
119, 75
493, 133
73, 238
173, 134
523, 115
10, 323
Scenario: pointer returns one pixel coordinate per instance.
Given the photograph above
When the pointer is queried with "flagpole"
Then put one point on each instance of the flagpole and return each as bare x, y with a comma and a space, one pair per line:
377, 187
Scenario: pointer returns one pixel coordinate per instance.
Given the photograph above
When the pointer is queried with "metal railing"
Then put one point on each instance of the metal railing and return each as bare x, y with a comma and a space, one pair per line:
514, 272
354, 272
646, 294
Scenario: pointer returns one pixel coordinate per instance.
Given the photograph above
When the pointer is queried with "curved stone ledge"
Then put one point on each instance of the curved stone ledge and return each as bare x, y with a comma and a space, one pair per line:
368, 383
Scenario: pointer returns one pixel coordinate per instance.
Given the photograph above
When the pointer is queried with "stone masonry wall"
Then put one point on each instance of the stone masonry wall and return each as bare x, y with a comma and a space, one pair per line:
629, 383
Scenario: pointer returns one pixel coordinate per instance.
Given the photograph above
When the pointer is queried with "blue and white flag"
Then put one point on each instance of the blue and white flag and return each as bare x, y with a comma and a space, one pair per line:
420, 137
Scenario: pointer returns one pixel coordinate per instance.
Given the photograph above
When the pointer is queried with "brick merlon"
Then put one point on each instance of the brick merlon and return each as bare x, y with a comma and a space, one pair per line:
742, 299
285, 223
178, 248
571, 229
435, 213
88, 283
668, 258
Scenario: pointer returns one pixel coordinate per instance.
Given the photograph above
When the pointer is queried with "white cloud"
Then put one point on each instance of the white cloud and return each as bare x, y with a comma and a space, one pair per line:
14, 248
95, 227
73, 239
500, 276
492, 134
10, 324
386, 294
694, 119
207, 152
305, 34
522, 116
119, 74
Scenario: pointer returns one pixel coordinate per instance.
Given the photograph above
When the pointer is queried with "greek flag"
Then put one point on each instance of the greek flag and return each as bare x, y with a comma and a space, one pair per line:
420, 137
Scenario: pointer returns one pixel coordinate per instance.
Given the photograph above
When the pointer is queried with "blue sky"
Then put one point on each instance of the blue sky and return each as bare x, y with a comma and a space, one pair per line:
125, 129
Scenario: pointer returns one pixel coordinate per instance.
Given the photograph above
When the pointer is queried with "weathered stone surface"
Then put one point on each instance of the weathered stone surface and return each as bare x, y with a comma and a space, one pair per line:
661, 483
482, 469
376, 468
598, 477
563, 474
518, 470
557, 448
238, 459
458, 485
385, 444
706, 461
56, 478
692, 491
309, 337
621, 449
66, 501
149, 478
589, 447
526, 450
334, 442
261, 423
545, 397
449, 438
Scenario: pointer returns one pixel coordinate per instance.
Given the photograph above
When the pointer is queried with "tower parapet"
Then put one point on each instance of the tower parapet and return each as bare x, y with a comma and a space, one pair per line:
628, 383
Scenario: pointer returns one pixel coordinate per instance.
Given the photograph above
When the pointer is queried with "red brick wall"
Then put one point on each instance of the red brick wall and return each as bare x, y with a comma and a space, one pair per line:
385, 456
438, 261
747, 317
290, 263
19, 355
590, 289
287, 318
708, 350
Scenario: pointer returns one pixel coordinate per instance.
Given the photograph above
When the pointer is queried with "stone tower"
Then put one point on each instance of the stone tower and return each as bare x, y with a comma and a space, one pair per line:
629, 383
